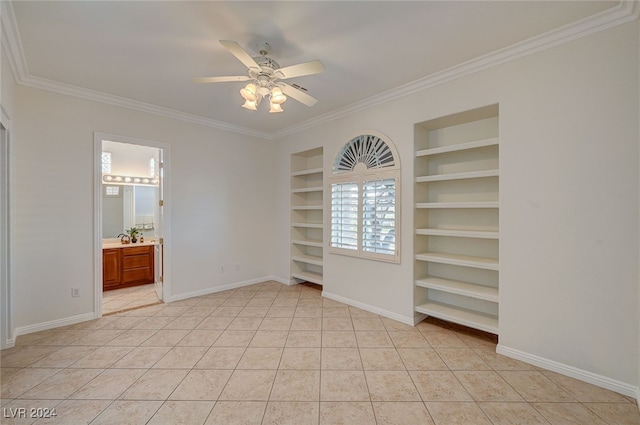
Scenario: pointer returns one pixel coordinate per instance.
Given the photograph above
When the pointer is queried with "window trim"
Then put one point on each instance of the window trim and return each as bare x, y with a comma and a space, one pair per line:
360, 176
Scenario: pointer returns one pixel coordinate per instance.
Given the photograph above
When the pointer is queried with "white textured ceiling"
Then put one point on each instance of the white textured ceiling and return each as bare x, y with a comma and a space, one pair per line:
148, 51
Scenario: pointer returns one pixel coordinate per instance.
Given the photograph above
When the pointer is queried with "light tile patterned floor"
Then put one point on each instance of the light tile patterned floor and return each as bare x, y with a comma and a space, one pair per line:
276, 354
118, 300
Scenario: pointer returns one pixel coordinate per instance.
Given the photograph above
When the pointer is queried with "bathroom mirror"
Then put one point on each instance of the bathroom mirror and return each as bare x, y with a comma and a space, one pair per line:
125, 206
130, 189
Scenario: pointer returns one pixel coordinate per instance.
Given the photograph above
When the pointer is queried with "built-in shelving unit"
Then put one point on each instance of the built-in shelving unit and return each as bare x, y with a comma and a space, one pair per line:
456, 231
307, 216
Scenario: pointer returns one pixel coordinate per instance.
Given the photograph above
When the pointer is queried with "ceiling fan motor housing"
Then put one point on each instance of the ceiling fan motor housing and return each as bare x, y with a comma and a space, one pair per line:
265, 61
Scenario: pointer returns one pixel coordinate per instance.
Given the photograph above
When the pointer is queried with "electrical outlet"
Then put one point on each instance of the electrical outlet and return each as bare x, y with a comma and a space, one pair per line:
75, 292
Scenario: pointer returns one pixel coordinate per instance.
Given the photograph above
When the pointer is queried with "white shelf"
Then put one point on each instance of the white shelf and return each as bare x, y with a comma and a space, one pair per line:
307, 189
461, 316
458, 176
474, 204
480, 234
461, 288
458, 147
306, 216
308, 225
308, 276
306, 172
307, 242
306, 207
459, 260
465, 221
308, 259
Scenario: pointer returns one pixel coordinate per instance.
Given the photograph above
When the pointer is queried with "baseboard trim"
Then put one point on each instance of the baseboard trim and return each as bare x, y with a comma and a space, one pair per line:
8, 343
215, 289
288, 282
419, 317
372, 309
573, 372
23, 330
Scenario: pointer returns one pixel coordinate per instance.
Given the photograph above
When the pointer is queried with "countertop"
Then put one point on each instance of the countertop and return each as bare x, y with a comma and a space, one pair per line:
110, 245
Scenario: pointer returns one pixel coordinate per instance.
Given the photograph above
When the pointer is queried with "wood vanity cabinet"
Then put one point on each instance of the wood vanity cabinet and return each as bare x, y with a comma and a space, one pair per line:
111, 268
130, 266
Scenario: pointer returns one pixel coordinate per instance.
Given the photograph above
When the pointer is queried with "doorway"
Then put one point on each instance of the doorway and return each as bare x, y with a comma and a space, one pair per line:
131, 199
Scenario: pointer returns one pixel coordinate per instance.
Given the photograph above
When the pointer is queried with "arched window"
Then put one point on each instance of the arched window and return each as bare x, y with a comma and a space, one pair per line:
365, 189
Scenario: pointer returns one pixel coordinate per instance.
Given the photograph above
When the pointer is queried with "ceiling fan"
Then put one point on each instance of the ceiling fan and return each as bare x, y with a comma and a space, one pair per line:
264, 75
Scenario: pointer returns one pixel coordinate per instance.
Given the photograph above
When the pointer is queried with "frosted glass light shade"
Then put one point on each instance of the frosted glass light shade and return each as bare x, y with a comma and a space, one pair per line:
277, 96
249, 92
250, 104
275, 107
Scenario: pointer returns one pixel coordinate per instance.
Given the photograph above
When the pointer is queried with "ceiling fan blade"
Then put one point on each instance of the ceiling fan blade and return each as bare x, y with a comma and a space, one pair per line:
221, 79
298, 95
307, 68
240, 53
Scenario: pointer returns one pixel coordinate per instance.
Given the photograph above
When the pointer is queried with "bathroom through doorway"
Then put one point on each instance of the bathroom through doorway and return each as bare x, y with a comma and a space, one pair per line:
131, 223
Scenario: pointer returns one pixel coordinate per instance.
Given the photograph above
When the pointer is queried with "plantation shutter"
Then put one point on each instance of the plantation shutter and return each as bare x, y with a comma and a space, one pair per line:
379, 216
344, 215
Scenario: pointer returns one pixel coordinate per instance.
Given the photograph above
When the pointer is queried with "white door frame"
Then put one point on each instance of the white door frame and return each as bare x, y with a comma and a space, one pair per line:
7, 338
97, 222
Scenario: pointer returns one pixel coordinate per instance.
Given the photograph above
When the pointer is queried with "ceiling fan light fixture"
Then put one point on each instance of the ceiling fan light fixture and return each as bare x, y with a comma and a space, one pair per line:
249, 92
275, 108
277, 96
263, 72
250, 104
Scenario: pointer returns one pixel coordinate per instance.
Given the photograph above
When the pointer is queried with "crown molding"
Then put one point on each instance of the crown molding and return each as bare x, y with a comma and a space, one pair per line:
87, 94
12, 46
11, 43
625, 11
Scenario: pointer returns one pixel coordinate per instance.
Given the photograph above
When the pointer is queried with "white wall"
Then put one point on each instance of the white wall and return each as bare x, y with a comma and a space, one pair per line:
568, 200
570, 214
221, 208
129, 159
7, 86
